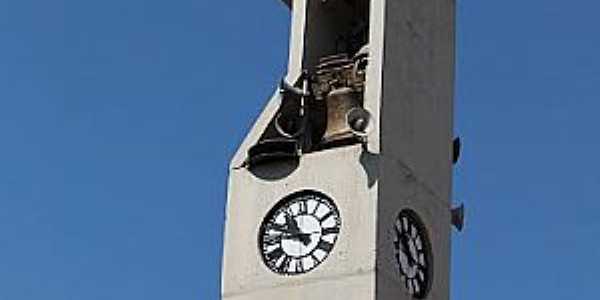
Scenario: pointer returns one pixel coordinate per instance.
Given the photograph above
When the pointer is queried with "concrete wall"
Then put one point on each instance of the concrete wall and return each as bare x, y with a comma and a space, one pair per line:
344, 174
416, 133
418, 80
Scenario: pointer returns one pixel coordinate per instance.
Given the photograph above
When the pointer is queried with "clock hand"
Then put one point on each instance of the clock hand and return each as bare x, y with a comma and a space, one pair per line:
293, 231
406, 250
313, 232
281, 229
291, 225
295, 226
305, 238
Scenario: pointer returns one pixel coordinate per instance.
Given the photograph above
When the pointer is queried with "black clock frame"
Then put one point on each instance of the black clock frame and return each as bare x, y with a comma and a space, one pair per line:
414, 220
286, 202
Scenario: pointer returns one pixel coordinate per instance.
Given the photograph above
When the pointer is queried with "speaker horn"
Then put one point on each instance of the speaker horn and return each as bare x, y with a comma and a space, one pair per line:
359, 120
456, 147
458, 217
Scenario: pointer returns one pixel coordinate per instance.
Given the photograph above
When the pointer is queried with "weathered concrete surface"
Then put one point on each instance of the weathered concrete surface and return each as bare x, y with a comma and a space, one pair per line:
338, 173
399, 189
417, 99
416, 133
359, 286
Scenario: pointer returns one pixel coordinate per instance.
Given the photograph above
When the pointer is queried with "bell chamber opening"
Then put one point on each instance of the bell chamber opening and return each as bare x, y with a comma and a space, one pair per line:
334, 27
324, 108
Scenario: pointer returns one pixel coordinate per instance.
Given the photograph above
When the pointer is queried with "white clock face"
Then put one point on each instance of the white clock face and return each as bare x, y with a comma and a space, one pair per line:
413, 253
299, 233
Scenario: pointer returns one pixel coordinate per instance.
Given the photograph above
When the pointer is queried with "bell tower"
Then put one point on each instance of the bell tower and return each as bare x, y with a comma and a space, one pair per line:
342, 188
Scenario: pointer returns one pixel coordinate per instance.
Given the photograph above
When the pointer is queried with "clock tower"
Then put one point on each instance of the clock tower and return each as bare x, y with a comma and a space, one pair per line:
342, 188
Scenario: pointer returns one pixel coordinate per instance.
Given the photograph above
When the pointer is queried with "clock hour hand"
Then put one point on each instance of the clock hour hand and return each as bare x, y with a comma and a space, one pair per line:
304, 238
292, 224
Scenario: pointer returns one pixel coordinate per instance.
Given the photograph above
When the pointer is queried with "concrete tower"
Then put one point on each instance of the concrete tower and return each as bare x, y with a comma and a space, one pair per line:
342, 188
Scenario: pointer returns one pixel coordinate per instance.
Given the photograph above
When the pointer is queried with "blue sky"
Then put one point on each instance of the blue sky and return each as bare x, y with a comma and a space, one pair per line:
118, 118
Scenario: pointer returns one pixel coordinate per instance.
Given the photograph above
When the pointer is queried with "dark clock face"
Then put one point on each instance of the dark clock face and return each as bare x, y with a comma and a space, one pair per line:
299, 233
413, 253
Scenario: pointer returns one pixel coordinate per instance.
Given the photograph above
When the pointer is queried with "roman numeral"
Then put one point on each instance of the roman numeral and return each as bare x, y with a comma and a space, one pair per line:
421, 274
274, 255
285, 264
326, 216
325, 246
314, 258
316, 208
272, 239
398, 227
331, 230
289, 212
302, 208
277, 227
405, 223
299, 266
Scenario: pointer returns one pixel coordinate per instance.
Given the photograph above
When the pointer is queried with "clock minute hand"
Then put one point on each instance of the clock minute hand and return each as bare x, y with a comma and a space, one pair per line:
295, 231
411, 259
292, 225
282, 229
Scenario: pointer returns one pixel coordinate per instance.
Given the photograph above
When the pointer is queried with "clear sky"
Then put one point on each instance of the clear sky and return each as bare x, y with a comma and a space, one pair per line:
118, 118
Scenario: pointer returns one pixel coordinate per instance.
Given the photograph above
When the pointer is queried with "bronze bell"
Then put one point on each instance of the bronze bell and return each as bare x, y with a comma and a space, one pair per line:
339, 103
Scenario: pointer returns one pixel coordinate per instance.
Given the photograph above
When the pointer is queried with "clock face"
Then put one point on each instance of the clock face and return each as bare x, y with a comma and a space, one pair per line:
413, 253
299, 233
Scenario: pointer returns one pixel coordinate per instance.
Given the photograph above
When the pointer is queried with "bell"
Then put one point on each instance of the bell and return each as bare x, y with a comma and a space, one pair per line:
339, 103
